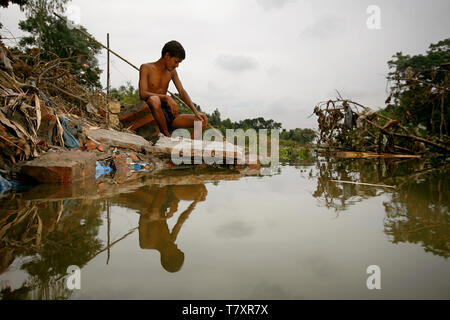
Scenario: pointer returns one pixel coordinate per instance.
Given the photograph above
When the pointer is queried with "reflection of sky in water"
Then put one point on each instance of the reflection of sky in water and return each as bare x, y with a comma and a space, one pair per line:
264, 238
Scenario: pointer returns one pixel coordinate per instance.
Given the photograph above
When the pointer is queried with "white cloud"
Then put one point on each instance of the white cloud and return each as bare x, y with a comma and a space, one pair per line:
236, 63
326, 27
273, 4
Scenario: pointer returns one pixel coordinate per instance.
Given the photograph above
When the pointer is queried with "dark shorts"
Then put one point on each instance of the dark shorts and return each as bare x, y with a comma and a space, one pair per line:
167, 114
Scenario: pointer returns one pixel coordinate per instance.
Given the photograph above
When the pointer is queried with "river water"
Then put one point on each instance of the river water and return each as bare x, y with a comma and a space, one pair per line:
292, 235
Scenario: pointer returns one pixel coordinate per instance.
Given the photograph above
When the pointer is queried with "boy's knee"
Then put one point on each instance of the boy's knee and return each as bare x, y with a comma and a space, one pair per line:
154, 102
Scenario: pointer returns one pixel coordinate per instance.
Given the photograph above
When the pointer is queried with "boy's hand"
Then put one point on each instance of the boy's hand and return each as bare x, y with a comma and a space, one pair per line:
173, 106
201, 116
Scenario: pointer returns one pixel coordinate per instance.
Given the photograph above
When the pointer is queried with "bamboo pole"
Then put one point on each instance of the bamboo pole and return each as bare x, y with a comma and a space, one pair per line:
98, 42
107, 81
108, 216
364, 184
114, 242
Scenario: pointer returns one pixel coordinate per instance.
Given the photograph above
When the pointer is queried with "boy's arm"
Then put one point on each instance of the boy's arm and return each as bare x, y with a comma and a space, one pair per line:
144, 93
184, 95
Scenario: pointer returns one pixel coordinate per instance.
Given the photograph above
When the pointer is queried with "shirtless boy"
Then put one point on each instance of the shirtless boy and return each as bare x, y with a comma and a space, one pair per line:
154, 81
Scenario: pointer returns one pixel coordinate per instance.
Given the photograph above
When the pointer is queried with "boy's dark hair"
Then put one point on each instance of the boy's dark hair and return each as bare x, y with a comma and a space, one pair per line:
174, 48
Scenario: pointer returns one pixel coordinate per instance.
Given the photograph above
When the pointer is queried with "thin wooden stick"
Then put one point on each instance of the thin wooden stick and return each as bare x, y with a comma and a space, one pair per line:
11, 142
108, 82
98, 42
365, 184
114, 242
108, 216
67, 93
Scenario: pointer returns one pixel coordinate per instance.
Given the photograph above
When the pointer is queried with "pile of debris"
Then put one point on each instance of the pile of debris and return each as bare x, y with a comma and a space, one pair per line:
43, 107
348, 125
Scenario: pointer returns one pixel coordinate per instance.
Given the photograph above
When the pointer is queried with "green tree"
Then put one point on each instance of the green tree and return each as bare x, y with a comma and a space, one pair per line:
214, 119
40, 10
53, 37
127, 94
301, 136
420, 88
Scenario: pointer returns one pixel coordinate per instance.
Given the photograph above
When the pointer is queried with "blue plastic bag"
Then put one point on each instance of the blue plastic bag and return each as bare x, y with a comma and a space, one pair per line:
101, 170
68, 134
6, 185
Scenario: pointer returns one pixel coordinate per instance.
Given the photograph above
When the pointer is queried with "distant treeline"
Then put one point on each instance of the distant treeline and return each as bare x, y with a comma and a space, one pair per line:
128, 96
300, 136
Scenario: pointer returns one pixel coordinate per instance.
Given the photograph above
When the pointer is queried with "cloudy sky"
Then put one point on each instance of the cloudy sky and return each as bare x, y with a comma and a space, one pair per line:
270, 58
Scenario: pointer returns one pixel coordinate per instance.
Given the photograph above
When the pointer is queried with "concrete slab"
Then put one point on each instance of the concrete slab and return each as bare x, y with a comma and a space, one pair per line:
61, 167
198, 148
119, 139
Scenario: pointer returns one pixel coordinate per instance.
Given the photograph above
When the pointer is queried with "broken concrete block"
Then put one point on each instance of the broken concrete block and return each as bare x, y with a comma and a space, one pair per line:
114, 106
62, 167
121, 162
137, 116
118, 139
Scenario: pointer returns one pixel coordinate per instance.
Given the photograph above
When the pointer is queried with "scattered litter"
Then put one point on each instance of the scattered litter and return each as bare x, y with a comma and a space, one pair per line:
144, 166
138, 166
102, 169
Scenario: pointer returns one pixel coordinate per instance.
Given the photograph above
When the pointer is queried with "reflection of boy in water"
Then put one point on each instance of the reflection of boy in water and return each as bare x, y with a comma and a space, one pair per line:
154, 232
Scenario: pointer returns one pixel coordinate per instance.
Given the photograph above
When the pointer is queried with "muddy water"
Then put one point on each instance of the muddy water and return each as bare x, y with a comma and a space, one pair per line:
293, 235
